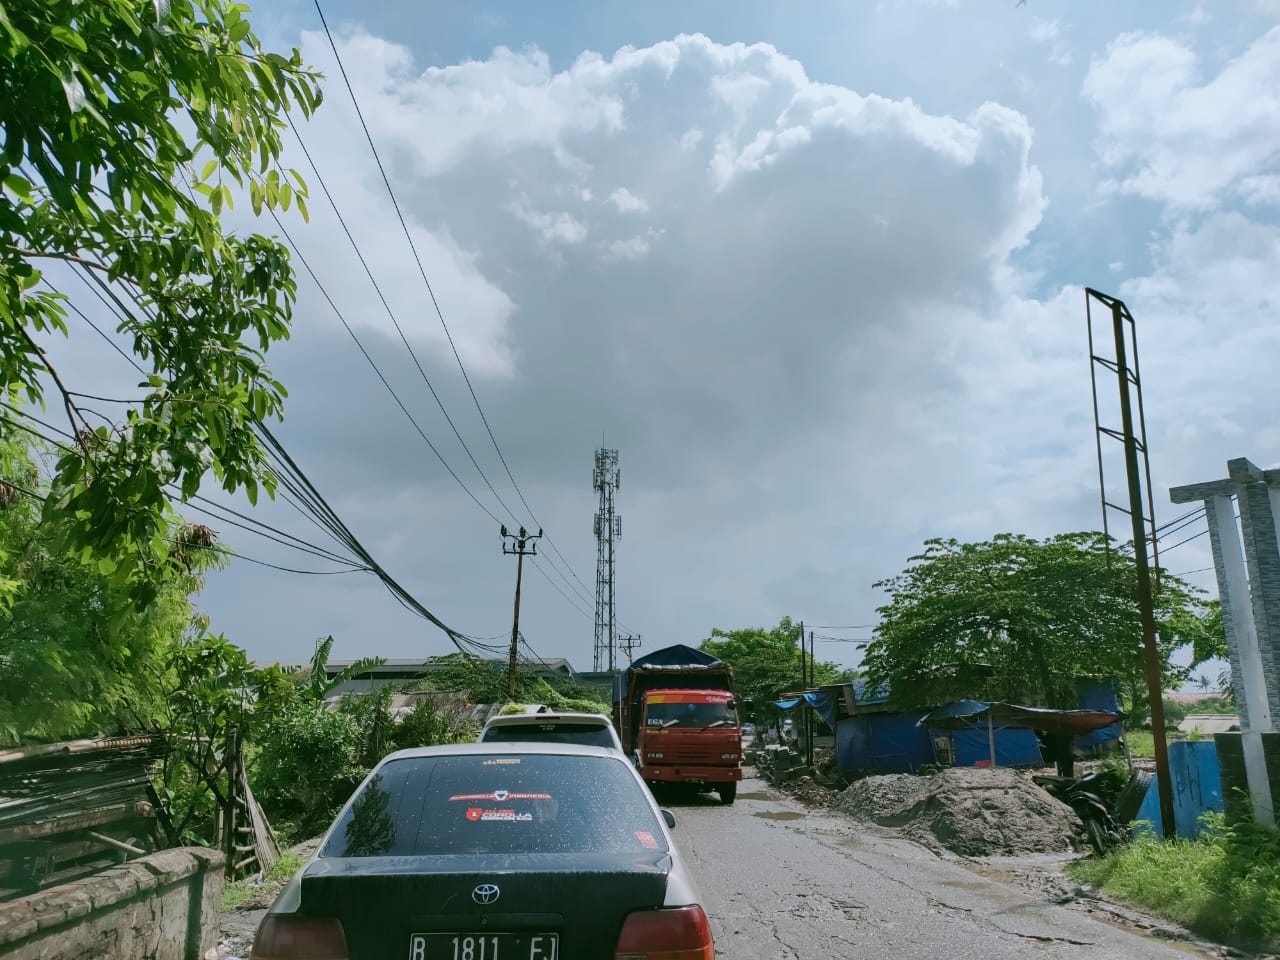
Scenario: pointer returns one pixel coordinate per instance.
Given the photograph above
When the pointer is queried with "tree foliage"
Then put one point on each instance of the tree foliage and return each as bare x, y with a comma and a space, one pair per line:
766, 663
1022, 619
126, 125
79, 658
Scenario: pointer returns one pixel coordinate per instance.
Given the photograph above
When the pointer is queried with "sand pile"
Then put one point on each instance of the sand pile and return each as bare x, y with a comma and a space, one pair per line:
972, 812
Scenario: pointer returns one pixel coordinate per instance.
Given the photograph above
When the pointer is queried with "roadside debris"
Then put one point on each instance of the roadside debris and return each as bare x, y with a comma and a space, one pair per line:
972, 812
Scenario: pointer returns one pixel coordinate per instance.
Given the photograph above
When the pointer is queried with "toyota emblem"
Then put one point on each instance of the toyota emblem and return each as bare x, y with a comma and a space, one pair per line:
485, 894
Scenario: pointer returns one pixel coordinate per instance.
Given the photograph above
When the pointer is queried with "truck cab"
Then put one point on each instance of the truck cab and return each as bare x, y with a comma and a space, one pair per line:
677, 717
691, 736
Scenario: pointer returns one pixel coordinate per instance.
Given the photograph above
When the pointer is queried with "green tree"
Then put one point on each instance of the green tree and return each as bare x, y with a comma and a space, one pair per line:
1021, 619
126, 124
317, 685
766, 663
79, 657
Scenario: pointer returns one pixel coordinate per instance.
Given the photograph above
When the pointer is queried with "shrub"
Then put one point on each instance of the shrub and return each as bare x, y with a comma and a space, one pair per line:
307, 766
1225, 884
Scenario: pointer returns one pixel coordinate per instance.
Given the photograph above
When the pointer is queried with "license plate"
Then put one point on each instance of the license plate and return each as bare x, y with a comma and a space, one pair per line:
484, 946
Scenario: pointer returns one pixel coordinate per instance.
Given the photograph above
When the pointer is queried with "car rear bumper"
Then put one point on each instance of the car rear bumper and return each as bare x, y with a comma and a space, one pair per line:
684, 773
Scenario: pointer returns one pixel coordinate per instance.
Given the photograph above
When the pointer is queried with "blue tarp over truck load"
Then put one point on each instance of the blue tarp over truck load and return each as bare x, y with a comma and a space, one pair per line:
669, 662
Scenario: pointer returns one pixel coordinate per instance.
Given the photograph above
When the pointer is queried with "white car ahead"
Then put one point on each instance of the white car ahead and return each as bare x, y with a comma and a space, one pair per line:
587, 729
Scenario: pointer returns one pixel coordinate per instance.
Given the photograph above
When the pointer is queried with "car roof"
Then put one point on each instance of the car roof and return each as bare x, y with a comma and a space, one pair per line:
504, 749
518, 718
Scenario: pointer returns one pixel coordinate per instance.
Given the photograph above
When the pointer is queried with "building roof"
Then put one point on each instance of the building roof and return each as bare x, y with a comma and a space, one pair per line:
333, 667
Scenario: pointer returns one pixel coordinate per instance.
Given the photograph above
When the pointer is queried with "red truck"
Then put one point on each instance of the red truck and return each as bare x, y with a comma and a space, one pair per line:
678, 720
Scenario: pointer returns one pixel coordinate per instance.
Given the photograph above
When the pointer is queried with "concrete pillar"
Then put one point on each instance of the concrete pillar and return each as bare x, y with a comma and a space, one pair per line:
1249, 588
1262, 552
1237, 610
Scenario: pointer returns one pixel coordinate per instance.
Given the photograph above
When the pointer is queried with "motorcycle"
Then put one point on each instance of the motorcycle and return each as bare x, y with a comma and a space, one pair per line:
1085, 797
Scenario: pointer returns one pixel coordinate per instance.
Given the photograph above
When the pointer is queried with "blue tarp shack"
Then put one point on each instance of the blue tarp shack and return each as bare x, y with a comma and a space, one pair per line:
1004, 734
820, 700
875, 736
1099, 695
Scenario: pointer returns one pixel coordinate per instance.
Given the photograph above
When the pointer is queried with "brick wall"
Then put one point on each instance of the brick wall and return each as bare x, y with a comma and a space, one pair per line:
160, 907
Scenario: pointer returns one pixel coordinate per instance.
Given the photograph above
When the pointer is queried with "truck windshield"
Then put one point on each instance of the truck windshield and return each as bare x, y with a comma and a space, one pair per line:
690, 715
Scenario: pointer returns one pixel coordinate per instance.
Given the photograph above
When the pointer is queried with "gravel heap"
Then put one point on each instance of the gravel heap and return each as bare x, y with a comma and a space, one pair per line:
969, 811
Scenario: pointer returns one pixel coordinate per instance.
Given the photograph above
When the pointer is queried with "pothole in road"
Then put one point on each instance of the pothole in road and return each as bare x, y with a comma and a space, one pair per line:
779, 815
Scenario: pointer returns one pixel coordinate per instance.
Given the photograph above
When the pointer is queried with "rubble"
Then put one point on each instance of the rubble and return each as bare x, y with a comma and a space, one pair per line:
807, 791
972, 812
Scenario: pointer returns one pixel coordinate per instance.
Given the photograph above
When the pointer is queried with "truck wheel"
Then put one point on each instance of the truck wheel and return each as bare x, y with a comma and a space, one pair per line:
728, 792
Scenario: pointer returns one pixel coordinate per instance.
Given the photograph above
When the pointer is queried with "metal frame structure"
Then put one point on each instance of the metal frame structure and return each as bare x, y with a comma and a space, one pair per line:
1125, 332
606, 478
1120, 317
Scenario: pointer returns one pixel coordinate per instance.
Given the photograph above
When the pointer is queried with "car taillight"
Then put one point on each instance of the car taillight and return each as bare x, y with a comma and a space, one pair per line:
291, 937
679, 934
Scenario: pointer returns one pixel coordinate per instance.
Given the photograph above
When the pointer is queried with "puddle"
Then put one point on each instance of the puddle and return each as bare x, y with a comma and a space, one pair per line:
754, 796
779, 815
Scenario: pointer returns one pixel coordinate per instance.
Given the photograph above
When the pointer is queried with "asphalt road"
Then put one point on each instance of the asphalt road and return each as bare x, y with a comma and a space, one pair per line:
780, 880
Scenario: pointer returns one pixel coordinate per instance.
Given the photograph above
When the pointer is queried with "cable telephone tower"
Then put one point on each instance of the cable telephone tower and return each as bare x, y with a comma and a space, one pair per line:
606, 478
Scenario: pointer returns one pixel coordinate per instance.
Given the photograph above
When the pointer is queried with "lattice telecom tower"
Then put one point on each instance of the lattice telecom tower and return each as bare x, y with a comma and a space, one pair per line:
606, 478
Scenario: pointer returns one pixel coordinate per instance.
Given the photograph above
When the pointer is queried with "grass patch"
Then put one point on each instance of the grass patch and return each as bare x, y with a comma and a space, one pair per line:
236, 895
1224, 885
1141, 743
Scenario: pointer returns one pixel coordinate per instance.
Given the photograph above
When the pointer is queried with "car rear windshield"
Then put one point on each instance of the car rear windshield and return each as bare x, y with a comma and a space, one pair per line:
587, 734
690, 715
495, 804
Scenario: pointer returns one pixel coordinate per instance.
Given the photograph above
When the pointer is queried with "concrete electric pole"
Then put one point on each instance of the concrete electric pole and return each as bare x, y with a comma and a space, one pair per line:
522, 544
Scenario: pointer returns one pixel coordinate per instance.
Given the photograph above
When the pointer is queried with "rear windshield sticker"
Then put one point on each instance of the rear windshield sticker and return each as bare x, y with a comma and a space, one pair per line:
501, 760
646, 839
479, 814
500, 796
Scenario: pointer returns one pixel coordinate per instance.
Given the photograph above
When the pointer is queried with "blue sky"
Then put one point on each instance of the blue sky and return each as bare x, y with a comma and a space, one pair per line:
815, 269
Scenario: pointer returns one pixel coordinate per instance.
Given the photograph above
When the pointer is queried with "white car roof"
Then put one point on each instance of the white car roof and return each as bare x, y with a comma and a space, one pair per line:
512, 719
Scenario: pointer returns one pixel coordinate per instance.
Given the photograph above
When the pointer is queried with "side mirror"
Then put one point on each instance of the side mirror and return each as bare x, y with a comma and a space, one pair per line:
670, 818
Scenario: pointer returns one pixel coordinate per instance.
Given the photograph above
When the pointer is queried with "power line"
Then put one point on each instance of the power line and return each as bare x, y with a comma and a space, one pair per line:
1185, 516
386, 180
287, 469
394, 322
586, 613
249, 523
1187, 540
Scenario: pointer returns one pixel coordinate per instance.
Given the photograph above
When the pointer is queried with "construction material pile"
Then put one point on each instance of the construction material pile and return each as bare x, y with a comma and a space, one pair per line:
66, 779
972, 812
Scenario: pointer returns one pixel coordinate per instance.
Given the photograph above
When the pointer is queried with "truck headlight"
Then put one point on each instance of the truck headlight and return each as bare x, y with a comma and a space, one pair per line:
656, 756
728, 756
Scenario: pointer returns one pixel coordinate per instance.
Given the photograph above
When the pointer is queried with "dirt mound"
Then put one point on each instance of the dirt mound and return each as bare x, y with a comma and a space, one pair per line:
972, 812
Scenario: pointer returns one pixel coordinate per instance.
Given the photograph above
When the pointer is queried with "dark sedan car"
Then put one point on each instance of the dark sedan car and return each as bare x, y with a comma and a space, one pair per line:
493, 851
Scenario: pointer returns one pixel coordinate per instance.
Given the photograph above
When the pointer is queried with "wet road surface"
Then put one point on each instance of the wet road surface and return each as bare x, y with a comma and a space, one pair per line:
780, 880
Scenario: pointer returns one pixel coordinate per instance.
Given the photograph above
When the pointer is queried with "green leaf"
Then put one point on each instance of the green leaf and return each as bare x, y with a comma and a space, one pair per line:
18, 186
239, 31
68, 38
209, 167
73, 89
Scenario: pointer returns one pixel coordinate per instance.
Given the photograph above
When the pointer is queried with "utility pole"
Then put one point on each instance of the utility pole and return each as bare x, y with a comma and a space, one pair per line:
813, 677
522, 544
1135, 444
629, 643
